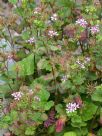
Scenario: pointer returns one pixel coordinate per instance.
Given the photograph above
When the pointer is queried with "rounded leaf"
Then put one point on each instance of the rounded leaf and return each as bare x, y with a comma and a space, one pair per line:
70, 134
97, 96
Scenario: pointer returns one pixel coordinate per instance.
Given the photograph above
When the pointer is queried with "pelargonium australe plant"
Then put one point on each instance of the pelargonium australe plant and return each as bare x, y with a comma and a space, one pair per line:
54, 84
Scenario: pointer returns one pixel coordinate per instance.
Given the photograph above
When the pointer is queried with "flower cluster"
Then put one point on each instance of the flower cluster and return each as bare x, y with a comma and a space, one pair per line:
71, 107
30, 91
59, 47
52, 33
54, 17
64, 78
37, 10
17, 95
80, 64
31, 40
10, 57
82, 22
36, 98
95, 29
87, 60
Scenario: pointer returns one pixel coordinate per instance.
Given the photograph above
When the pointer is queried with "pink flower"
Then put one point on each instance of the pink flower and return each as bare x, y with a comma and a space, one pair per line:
31, 40
60, 124
10, 57
52, 33
59, 46
82, 22
64, 78
72, 107
36, 98
17, 95
80, 64
87, 60
7, 134
95, 29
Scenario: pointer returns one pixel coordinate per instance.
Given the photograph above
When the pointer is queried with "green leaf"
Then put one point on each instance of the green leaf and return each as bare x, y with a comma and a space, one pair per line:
54, 48
36, 116
51, 129
14, 115
83, 131
48, 105
88, 111
39, 23
97, 95
30, 131
65, 3
70, 134
79, 79
44, 64
13, 1
92, 76
65, 12
39, 81
19, 11
7, 119
68, 84
99, 37
59, 108
43, 94
72, 114
99, 132
44, 117
77, 121
25, 35
25, 66
6, 88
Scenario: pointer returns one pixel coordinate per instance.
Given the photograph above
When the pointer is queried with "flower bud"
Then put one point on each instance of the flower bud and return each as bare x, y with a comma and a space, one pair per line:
60, 123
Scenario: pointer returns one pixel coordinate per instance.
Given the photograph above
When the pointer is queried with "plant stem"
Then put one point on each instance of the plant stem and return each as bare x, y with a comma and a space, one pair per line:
53, 71
94, 118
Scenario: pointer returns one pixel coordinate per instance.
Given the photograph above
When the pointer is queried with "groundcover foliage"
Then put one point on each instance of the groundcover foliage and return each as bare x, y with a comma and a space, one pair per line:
54, 85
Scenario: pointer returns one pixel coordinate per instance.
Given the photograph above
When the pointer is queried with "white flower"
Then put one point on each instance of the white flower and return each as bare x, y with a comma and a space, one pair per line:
64, 78
81, 22
31, 91
80, 64
37, 10
52, 33
95, 29
87, 59
17, 95
31, 40
54, 17
71, 107
36, 98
